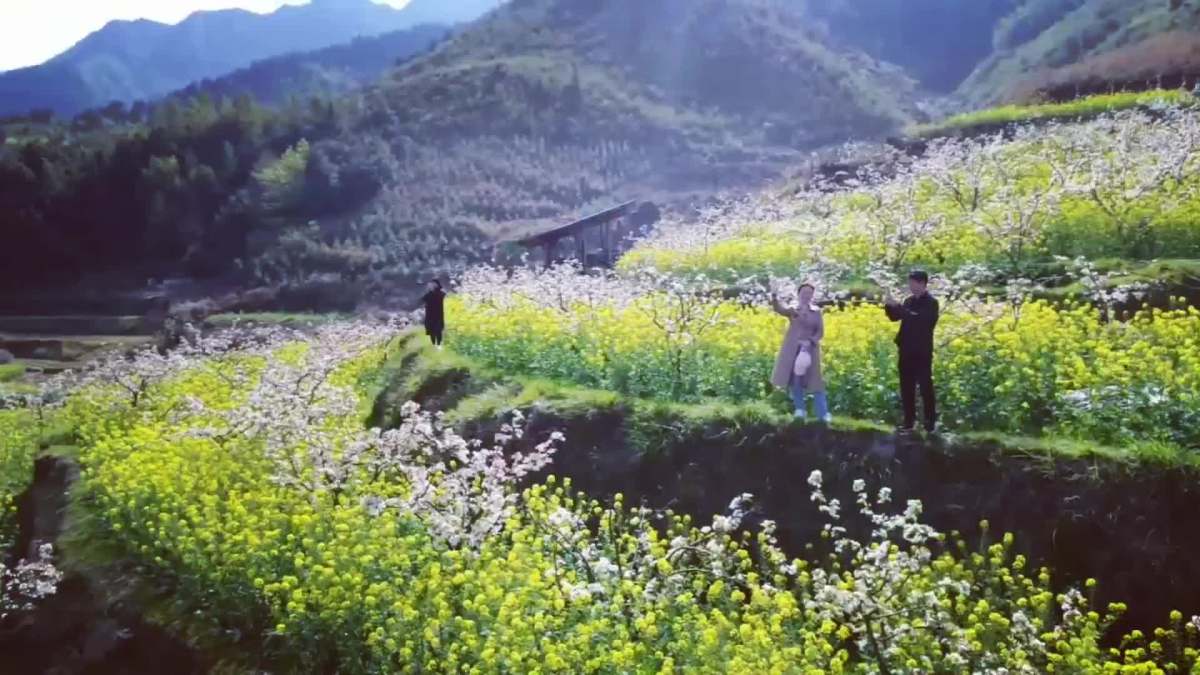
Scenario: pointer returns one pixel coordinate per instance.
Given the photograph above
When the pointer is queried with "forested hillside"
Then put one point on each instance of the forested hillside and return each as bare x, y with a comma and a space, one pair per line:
999, 50
938, 42
531, 114
1055, 45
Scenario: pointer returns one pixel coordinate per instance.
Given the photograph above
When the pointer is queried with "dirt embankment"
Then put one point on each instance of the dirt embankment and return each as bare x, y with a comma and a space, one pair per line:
85, 628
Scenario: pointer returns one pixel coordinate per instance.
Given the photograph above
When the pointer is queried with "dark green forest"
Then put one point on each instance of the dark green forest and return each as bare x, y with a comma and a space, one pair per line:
185, 185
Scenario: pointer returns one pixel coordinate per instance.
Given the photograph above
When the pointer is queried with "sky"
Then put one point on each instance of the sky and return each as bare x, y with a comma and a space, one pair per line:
33, 31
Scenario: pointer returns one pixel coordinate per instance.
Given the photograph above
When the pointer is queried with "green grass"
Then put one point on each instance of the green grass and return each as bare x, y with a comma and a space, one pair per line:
17, 389
1090, 106
11, 372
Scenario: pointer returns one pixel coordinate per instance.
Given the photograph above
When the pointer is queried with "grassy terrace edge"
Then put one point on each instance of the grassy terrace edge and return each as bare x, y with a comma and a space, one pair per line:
473, 396
1091, 106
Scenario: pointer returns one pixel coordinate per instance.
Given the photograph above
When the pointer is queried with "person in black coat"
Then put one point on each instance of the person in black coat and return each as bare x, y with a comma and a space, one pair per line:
918, 317
435, 311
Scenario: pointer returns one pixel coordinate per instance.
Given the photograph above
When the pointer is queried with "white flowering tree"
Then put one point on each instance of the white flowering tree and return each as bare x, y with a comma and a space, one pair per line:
1118, 162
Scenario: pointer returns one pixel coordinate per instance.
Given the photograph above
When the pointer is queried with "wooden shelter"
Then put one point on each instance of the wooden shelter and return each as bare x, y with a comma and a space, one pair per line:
601, 229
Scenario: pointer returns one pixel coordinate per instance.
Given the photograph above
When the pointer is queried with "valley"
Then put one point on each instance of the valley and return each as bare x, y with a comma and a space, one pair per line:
227, 441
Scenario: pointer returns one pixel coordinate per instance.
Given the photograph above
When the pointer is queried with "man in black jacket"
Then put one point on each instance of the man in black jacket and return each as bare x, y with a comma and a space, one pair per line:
918, 316
435, 312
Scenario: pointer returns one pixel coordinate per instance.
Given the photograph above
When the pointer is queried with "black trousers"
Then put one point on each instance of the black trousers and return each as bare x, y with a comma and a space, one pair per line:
435, 334
916, 372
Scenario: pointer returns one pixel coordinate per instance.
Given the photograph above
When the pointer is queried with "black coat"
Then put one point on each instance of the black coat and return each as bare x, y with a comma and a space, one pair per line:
435, 311
918, 316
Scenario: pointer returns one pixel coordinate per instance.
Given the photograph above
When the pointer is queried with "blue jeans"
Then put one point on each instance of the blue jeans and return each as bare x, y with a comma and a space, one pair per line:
800, 399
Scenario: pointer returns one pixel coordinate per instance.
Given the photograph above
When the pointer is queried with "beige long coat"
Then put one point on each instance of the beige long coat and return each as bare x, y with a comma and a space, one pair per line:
803, 324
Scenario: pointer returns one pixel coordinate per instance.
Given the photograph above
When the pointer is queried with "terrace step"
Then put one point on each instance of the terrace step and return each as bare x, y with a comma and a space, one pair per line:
77, 303
77, 325
68, 348
49, 366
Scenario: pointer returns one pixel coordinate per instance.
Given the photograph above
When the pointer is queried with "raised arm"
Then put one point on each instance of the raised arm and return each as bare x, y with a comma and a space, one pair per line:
780, 309
895, 311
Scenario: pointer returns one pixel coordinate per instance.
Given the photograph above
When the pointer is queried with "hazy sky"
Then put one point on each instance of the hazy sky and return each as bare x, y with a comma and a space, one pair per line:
32, 31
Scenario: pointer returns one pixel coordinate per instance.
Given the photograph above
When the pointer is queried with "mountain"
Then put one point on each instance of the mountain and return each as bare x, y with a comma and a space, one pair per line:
448, 11
538, 112
988, 51
142, 60
547, 108
1058, 44
939, 42
661, 67
326, 72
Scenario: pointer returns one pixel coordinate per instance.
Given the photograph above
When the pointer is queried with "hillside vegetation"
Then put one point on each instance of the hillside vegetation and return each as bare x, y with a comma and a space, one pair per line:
538, 110
994, 51
938, 42
1085, 46
990, 120
547, 106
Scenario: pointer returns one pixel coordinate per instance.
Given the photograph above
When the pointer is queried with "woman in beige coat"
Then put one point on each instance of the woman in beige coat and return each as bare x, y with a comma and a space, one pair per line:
806, 328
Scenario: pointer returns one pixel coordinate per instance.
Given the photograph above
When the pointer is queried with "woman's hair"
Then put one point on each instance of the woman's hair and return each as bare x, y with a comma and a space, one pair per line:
437, 283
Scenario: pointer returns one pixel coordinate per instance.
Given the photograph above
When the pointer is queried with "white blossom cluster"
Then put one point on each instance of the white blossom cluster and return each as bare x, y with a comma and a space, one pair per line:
873, 594
28, 582
619, 549
997, 185
297, 413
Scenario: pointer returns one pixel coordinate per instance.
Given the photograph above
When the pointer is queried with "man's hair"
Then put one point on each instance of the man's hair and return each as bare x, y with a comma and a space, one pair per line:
435, 282
919, 275
806, 284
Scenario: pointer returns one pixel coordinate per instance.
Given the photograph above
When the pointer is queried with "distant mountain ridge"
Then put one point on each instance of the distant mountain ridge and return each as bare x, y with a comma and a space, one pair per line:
326, 72
142, 60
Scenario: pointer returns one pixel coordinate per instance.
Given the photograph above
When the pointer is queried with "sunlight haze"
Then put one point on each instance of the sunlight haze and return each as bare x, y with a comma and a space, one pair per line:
34, 31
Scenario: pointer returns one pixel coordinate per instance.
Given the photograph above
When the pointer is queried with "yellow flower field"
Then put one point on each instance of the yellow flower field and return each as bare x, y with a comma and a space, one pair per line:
563, 585
1050, 370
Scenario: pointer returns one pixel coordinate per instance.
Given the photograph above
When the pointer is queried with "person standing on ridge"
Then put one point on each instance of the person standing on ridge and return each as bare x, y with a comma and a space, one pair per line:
798, 366
435, 311
918, 317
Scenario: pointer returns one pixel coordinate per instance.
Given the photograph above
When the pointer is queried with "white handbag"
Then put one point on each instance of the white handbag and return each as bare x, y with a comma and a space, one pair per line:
803, 362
